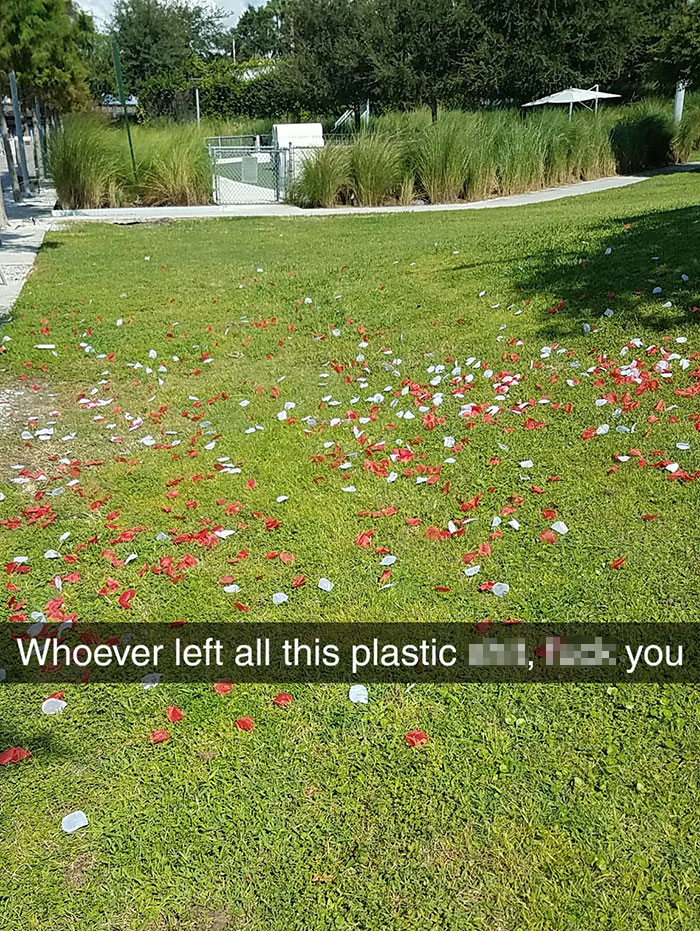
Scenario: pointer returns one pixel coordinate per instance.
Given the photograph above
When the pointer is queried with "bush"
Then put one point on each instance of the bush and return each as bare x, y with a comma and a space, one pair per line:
88, 171
90, 165
324, 180
376, 170
225, 92
643, 138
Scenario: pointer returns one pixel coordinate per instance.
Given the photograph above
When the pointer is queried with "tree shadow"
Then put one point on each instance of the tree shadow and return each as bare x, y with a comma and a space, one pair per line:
20, 241
40, 743
620, 271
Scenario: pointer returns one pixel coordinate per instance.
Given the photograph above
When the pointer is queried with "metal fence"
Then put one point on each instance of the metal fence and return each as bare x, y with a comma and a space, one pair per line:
253, 173
248, 139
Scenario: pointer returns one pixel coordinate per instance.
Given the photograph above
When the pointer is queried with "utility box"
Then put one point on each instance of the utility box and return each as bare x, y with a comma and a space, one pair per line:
295, 143
297, 135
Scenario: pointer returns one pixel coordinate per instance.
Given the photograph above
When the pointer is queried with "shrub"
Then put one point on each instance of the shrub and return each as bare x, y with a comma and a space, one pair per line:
441, 161
324, 179
225, 91
87, 169
643, 137
376, 169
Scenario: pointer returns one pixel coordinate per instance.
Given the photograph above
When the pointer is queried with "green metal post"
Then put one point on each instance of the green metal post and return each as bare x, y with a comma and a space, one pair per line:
122, 97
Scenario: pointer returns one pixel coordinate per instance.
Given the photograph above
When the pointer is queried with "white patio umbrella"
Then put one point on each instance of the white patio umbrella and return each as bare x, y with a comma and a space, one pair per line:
573, 95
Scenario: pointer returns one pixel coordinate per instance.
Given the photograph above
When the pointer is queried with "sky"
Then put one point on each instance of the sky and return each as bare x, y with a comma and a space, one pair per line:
102, 9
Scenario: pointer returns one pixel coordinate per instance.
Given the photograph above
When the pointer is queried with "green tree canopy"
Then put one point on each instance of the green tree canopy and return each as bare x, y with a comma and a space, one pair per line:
46, 42
328, 62
677, 53
157, 36
100, 65
473, 52
257, 33
331, 54
418, 48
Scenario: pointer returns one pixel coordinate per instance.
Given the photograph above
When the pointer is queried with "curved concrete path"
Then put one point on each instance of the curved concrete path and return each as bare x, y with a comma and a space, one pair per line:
146, 214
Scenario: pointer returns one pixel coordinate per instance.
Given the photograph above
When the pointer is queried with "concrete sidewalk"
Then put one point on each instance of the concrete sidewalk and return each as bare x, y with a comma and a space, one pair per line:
21, 241
147, 214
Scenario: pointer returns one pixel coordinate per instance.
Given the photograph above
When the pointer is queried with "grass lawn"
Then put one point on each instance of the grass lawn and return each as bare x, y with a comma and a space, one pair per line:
296, 348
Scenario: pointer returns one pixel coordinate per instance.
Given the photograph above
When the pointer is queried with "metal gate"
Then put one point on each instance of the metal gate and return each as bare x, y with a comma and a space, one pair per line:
244, 171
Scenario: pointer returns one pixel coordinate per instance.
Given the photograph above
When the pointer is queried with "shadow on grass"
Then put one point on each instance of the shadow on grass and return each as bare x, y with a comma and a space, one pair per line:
647, 251
41, 744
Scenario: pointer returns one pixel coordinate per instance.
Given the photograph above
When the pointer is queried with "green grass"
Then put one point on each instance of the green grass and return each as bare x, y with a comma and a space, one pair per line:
476, 155
470, 155
376, 169
325, 178
172, 166
532, 808
86, 168
90, 164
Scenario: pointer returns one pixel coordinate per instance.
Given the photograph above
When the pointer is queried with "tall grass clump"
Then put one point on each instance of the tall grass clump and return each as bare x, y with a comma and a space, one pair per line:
243, 127
90, 164
441, 160
172, 167
686, 136
574, 150
404, 124
521, 150
481, 177
401, 156
86, 167
643, 137
560, 141
591, 155
324, 180
376, 169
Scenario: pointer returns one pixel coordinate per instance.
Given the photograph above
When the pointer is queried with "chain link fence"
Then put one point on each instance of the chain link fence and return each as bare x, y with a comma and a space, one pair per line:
247, 174
245, 170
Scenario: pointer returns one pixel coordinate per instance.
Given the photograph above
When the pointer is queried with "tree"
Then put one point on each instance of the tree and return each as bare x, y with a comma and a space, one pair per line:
463, 52
557, 43
677, 53
226, 91
418, 48
257, 33
326, 60
100, 66
156, 36
45, 43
